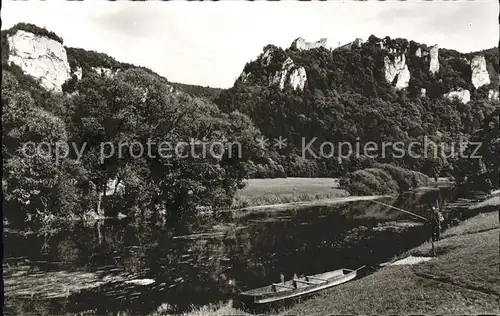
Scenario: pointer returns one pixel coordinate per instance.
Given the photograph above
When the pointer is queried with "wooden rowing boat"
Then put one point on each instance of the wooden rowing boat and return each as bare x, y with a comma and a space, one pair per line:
298, 286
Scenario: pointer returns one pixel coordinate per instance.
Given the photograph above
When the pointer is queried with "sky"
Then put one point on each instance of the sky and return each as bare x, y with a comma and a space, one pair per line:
208, 43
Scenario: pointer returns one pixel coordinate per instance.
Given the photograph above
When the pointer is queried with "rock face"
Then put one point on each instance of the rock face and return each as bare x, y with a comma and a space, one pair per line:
279, 77
423, 92
480, 76
434, 63
493, 95
40, 57
266, 58
418, 53
403, 78
244, 77
461, 94
397, 68
297, 78
78, 73
301, 44
104, 71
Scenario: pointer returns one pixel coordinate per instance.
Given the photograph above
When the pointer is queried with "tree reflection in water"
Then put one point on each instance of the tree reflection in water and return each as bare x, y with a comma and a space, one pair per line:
231, 255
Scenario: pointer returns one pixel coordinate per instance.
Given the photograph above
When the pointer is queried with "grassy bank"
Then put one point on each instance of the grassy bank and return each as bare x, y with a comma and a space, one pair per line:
287, 190
489, 205
462, 279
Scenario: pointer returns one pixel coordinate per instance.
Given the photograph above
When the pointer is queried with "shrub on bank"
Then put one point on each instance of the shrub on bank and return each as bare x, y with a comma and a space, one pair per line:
382, 179
405, 178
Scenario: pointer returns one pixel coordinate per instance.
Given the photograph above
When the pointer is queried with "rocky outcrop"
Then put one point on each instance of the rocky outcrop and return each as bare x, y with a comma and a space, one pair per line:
265, 60
78, 73
244, 77
423, 92
40, 57
397, 69
403, 78
418, 52
105, 71
301, 44
480, 76
279, 77
493, 95
463, 95
297, 78
434, 63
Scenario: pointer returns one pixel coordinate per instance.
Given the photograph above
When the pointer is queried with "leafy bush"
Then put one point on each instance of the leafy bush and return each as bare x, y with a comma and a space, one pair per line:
31, 28
87, 59
478, 168
134, 105
404, 178
382, 179
208, 93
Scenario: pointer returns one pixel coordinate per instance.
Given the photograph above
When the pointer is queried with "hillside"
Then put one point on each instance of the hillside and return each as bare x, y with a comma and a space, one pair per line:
385, 89
461, 279
208, 93
72, 103
74, 100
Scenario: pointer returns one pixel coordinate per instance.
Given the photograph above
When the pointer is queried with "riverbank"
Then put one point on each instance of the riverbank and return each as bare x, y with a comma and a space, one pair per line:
462, 279
259, 192
283, 191
306, 204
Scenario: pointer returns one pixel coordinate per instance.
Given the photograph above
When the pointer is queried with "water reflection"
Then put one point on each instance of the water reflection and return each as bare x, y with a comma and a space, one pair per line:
209, 262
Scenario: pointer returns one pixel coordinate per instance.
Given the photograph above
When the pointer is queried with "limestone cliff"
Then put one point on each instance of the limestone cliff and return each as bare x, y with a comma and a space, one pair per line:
480, 76
244, 77
78, 73
274, 70
418, 52
401, 56
280, 76
397, 69
493, 95
266, 58
296, 76
40, 57
463, 95
434, 62
104, 71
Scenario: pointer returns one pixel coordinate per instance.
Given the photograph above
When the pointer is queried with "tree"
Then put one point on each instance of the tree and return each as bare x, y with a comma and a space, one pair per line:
478, 167
33, 152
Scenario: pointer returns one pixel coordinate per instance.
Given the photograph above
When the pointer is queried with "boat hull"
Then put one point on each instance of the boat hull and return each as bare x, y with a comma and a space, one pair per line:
298, 287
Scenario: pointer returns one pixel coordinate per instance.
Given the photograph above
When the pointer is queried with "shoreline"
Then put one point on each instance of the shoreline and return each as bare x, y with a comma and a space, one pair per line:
459, 280
302, 204
462, 279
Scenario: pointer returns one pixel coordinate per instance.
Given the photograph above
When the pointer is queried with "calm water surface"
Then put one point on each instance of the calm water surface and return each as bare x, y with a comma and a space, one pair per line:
92, 266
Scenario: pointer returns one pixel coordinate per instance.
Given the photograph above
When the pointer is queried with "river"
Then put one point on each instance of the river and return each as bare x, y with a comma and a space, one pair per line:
98, 267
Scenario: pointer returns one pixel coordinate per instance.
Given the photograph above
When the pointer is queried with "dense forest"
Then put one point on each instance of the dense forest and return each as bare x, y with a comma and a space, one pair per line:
134, 105
346, 99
